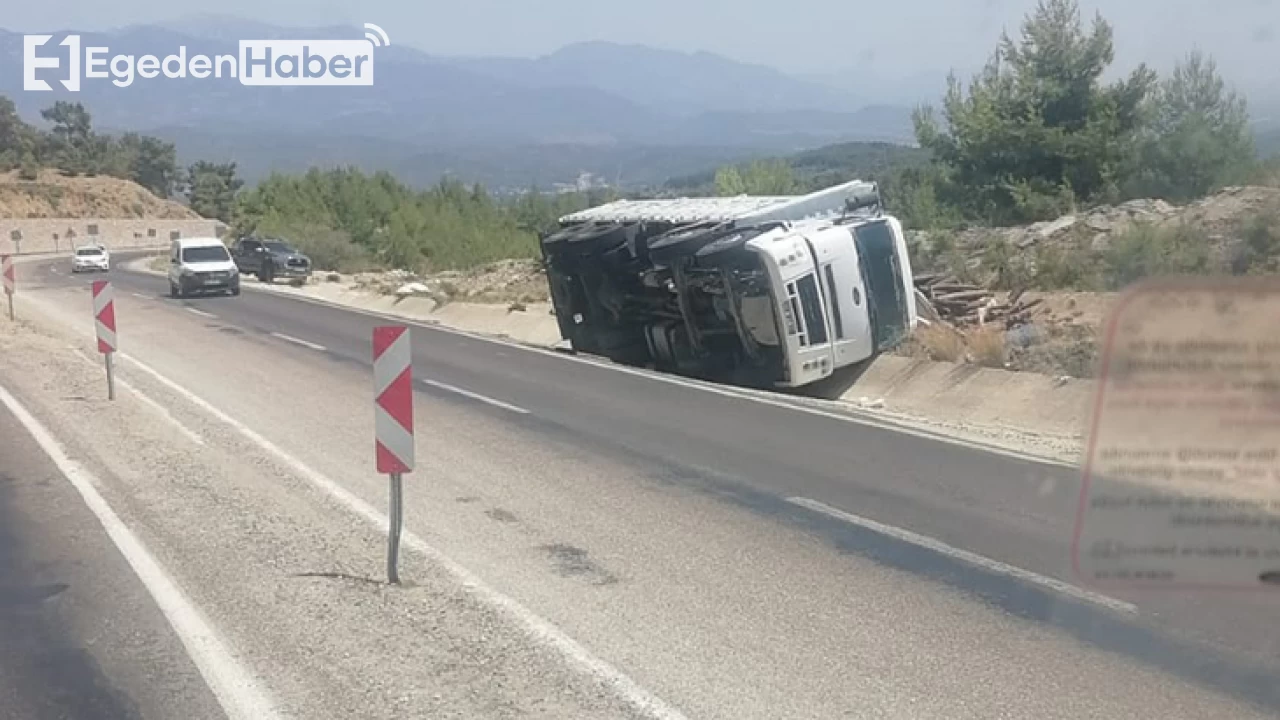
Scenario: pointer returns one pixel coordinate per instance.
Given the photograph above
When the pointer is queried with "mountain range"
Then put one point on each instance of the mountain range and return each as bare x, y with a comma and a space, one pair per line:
628, 112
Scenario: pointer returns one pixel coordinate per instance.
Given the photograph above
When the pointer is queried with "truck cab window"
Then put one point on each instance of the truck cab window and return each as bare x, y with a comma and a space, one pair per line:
835, 302
811, 306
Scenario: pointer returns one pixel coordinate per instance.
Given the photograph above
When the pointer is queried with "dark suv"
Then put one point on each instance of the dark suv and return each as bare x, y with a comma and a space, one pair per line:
269, 259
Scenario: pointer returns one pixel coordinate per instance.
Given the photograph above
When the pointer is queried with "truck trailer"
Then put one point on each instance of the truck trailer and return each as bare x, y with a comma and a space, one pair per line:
775, 291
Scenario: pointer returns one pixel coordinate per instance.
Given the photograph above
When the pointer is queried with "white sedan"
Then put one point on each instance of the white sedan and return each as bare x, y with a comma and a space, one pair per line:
91, 258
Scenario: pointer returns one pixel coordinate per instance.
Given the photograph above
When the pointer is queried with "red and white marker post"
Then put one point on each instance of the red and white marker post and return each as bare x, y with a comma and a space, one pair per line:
393, 425
104, 320
10, 280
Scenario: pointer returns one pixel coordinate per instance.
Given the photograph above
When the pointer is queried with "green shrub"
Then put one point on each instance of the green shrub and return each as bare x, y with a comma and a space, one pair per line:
1147, 251
1072, 264
1258, 250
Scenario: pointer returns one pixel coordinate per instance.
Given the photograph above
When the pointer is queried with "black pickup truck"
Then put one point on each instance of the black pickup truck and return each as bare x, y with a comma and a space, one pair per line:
269, 259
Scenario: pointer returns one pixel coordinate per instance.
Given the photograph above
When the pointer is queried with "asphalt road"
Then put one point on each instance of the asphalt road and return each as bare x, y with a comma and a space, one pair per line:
770, 462
80, 639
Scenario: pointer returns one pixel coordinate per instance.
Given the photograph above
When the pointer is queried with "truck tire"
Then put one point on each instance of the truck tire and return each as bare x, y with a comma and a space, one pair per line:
713, 252
669, 248
601, 239
555, 242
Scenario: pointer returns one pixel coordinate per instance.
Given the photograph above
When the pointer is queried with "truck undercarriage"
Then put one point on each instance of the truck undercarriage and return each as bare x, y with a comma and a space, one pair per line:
686, 298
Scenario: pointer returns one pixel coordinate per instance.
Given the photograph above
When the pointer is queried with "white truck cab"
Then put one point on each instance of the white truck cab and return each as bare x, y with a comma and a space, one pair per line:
777, 291
821, 272
201, 265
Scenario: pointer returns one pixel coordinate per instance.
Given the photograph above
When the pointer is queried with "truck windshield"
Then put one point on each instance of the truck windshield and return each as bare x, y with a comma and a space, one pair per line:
811, 306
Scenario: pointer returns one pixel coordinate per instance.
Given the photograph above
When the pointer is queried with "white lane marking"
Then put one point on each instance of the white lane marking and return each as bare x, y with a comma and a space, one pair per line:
541, 630
475, 396
848, 415
53, 269
160, 409
163, 412
200, 312
140, 295
971, 558
239, 693
298, 341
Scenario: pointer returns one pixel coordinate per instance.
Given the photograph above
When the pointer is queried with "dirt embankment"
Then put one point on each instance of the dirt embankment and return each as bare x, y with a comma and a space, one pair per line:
54, 195
1046, 288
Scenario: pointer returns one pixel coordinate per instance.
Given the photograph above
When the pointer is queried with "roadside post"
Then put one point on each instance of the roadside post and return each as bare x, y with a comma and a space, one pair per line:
393, 426
104, 320
7, 272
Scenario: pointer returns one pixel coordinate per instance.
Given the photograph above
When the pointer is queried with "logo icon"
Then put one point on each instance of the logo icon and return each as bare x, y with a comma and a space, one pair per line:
376, 35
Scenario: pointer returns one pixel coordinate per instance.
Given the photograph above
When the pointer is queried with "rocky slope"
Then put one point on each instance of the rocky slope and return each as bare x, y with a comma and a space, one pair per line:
53, 195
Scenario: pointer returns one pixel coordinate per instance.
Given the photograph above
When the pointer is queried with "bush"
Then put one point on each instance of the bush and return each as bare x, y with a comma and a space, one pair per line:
1011, 271
333, 250
986, 347
1258, 250
1148, 251
1067, 265
942, 343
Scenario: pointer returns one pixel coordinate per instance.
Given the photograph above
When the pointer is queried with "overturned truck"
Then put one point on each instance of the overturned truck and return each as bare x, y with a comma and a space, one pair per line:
762, 291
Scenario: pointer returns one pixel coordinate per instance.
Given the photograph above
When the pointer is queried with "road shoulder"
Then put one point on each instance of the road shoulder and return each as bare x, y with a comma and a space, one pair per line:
81, 636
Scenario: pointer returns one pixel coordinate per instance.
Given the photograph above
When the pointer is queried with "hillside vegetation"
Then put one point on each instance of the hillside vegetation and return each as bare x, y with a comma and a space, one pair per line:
349, 221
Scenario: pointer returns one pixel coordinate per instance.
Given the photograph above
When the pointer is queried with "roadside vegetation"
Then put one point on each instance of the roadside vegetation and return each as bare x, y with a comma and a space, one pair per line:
349, 221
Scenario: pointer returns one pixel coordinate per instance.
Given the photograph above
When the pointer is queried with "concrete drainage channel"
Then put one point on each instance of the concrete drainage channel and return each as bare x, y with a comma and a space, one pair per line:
1022, 414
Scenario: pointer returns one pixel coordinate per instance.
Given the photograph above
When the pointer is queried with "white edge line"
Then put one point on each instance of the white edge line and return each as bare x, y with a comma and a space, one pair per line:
971, 558
850, 415
475, 396
200, 312
298, 341
239, 693
140, 295
162, 410
190, 434
541, 630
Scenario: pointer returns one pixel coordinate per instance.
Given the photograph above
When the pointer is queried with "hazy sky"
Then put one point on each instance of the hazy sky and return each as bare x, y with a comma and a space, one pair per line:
901, 37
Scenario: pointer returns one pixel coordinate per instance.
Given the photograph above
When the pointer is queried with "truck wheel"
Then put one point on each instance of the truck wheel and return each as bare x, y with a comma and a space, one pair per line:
601, 240
554, 242
716, 250
666, 249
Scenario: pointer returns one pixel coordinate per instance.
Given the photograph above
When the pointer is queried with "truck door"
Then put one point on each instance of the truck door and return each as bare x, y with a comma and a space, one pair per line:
882, 274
